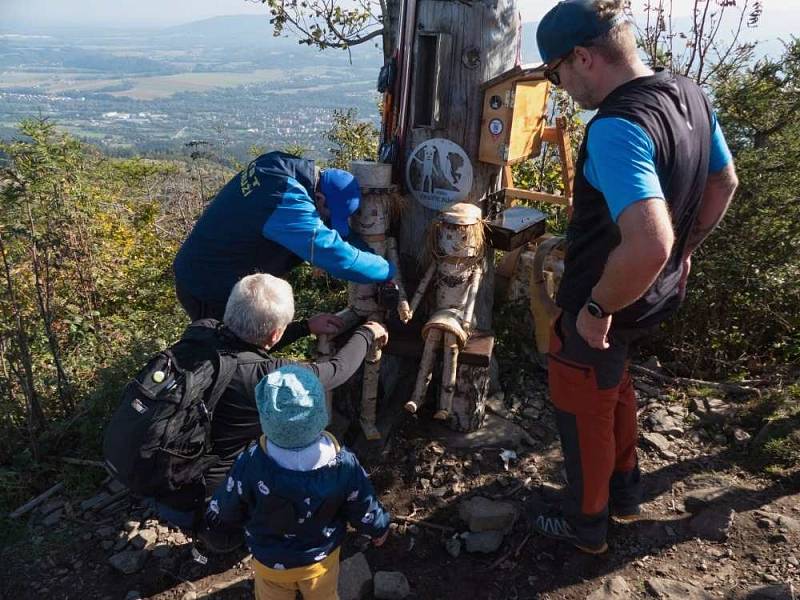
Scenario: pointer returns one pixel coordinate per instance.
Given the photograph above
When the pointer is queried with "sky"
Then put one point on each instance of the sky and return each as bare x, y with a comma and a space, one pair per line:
173, 12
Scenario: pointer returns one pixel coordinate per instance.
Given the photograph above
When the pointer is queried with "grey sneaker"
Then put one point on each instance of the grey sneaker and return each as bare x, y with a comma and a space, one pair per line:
556, 527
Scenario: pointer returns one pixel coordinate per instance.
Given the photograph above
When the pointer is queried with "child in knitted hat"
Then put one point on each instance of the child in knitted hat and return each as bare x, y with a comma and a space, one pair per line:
295, 491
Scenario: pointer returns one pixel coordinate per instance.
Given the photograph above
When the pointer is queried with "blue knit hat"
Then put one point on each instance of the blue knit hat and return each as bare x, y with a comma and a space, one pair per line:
291, 406
342, 197
568, 24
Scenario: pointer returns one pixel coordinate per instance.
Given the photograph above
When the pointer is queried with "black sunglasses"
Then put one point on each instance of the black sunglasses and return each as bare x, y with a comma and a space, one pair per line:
551, 73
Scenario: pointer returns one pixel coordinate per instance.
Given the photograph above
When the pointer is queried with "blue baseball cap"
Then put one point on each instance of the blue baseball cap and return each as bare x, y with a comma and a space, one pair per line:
571, 23
291, 406
342, 197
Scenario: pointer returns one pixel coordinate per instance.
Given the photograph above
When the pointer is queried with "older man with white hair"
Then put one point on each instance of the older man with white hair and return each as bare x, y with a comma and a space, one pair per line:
258, 319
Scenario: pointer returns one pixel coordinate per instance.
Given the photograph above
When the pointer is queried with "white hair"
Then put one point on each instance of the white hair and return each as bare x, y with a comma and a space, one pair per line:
258, 306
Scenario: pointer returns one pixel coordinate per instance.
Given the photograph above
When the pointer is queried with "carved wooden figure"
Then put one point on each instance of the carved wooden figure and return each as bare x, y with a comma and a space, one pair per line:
457, 246
371, 222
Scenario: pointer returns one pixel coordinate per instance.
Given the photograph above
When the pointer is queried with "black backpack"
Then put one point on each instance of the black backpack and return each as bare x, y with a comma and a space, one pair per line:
159, 438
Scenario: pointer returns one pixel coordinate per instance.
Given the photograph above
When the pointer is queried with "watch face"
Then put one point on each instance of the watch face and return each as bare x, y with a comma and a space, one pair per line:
594, 309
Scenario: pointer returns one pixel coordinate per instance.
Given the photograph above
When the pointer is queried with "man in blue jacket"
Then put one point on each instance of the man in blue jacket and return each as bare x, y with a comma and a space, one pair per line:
276, 213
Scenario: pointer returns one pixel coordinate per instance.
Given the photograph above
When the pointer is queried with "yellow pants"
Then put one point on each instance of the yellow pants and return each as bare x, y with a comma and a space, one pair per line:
322, 587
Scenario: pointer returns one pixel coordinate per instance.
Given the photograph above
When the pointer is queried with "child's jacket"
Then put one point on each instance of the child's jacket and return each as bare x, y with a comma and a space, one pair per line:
296, 518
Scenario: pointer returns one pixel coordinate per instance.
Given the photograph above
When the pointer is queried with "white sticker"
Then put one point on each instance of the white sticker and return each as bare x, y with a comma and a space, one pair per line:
495, 127
439, 173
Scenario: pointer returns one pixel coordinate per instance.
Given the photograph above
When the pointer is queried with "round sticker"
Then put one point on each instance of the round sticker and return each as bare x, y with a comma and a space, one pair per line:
495, 127
439, 173
495, 102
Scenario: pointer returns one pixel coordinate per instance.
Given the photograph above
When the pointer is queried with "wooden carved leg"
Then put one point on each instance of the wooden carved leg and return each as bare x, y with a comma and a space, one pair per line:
449, 367
324, 353
369, 394
425, 371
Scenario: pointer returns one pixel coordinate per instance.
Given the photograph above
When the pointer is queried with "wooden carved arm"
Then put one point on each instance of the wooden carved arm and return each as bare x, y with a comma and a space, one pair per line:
423, 285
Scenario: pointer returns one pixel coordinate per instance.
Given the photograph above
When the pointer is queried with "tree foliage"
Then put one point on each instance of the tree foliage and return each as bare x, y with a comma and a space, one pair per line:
328, 23
86, 262
352, 139
704, 48
743, 308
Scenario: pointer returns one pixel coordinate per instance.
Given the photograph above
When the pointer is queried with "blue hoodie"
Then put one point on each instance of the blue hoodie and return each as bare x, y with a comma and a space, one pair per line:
296, 518
264, 220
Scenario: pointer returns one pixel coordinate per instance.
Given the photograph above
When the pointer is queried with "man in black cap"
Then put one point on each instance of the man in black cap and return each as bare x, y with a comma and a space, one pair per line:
653, 178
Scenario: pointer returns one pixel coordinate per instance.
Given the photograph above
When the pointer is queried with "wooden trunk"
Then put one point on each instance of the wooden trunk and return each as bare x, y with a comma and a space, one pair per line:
458, 47
470, 43
469, 400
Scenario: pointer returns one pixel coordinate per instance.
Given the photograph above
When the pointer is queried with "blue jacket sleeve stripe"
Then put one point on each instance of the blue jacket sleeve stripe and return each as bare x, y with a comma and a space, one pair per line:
296, 225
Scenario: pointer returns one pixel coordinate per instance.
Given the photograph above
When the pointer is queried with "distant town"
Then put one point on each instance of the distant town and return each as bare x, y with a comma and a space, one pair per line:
224, 81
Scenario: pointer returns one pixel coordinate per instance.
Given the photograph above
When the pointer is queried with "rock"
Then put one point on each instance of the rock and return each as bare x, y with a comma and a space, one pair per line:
781, 521
53, 518
713, 411
453, 546
190, 595
120, 543
482, 514
713, 524
612, 589
697, 500
51, 506
390, 585
662, 422
497, 432
355, 578
660, 444
764, 592
669, 589
144, 538
530, 413
485, 541
497, 405
647, 389
740, 437
653, 364
90, 503
676, 410
131, 525
115, 486
129, 561
105, 531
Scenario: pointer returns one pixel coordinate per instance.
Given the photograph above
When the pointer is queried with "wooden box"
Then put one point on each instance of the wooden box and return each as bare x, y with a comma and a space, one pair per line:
514, 227
514, 115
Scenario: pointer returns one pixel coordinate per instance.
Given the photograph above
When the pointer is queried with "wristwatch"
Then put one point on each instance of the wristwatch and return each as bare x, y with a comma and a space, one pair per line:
596, 310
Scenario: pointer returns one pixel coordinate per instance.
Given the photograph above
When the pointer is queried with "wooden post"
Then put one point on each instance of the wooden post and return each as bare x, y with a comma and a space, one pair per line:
458, 47
469, 44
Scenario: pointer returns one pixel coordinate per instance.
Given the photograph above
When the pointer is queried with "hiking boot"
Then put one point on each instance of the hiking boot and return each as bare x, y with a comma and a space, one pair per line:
556, 527
221, 541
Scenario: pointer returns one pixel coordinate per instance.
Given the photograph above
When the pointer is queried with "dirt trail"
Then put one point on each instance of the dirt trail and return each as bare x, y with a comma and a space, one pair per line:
724, 532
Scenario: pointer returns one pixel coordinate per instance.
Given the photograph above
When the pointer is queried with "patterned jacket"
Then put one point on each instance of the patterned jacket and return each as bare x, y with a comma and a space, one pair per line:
296, 518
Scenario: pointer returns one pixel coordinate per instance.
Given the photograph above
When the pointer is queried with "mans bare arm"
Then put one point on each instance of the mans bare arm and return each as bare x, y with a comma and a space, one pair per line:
717, 196
632, 267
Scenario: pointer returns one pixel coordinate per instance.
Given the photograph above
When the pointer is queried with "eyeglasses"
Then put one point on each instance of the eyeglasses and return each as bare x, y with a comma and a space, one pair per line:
551, 73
